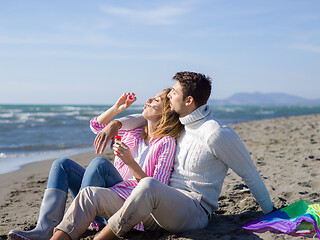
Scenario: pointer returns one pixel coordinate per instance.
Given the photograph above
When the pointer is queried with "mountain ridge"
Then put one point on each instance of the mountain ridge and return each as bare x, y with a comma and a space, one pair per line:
265, 99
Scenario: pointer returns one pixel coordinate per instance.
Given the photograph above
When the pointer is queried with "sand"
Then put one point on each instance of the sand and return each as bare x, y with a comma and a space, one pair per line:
286, 152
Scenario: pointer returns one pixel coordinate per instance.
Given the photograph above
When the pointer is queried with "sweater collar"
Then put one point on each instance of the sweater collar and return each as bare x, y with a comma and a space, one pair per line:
198, 114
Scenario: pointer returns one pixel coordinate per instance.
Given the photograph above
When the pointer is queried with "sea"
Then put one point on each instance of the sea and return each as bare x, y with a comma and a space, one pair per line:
31, 133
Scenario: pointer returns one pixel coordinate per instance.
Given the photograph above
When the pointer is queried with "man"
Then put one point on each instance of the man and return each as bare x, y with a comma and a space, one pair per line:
205, 151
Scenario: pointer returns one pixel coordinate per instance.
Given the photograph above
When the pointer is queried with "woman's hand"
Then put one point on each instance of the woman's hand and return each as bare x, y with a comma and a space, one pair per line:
122, 104
122, 151
125, 101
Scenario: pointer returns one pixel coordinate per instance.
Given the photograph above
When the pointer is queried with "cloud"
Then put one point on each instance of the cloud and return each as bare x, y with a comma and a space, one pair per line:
306, 47
89, 39
80, 54
161, 16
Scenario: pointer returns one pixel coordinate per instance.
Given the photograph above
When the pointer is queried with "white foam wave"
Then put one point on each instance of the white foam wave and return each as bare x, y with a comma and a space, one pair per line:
83, 118
13, 162
227, 109
5, 121
74, 113
36, 116
265, 112
136, 108
6, 115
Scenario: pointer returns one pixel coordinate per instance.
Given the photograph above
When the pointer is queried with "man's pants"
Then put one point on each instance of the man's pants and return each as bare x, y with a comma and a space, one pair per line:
152, 202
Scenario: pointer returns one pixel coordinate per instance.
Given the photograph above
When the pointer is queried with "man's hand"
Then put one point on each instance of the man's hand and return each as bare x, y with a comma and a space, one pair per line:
105, 135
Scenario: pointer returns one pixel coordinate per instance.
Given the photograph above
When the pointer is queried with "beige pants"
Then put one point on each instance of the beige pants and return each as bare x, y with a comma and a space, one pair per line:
152, 202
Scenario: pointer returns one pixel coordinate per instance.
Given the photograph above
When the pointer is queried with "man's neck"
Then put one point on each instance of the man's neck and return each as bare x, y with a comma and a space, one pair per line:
188, 111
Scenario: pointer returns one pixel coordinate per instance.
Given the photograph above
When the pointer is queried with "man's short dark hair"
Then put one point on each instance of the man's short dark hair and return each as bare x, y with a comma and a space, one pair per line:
196, 85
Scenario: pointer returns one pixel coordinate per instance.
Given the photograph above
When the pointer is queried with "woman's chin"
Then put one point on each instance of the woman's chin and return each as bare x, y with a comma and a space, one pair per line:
144, 114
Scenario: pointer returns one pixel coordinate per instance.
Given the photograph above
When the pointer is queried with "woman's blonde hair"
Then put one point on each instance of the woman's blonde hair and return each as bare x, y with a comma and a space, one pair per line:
169, 123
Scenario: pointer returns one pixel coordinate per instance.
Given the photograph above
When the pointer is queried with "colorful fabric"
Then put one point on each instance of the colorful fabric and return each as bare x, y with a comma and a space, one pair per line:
289, 218
158, 163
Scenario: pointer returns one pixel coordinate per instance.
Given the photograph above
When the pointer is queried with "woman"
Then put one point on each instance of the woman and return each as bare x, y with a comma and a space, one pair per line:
159, 134
66, 175
143, 152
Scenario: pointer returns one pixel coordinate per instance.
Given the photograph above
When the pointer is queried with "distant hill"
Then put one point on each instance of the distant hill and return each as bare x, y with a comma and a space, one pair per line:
265, 99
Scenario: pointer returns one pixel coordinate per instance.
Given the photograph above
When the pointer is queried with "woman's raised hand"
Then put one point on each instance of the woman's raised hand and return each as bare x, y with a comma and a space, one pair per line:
125, 101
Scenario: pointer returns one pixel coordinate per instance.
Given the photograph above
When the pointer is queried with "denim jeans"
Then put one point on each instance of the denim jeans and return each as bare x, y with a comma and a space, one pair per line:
66, 174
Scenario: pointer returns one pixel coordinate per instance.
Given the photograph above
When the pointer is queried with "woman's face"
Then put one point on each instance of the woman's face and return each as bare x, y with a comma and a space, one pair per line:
153, 107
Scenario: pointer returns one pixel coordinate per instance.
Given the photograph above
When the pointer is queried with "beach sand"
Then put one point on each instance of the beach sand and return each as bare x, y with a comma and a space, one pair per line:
286, 152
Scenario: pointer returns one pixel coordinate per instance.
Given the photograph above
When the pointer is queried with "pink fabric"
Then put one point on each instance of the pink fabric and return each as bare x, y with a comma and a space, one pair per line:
158, 162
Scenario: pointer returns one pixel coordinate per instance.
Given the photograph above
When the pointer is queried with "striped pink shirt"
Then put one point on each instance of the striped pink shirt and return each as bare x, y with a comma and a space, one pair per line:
158, 162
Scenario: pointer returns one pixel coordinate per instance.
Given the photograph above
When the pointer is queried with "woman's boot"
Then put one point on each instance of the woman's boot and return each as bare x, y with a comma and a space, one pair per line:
51, 213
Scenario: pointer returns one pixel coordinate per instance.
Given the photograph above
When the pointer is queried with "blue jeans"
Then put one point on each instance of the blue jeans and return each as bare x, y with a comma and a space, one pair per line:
66, 174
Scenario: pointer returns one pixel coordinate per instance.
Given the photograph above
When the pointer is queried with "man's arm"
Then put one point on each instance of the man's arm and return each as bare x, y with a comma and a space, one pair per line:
229, 148
111, 130
131, 122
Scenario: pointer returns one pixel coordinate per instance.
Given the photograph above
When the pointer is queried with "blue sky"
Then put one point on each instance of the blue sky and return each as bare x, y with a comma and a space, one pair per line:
90, 52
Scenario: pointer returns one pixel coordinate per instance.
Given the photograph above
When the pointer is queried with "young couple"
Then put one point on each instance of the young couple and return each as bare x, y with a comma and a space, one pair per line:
139, 191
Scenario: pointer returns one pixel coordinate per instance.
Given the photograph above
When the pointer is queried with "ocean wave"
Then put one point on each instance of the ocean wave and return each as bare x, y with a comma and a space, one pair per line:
73, 113
17, 118
5, 121
83, 118
227, 109
6, 115
96, 112
9, 113
78, 108
265, 112
69, 108
135, 108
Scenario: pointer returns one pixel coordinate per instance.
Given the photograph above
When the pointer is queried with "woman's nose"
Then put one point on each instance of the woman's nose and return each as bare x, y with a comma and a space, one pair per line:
149, 100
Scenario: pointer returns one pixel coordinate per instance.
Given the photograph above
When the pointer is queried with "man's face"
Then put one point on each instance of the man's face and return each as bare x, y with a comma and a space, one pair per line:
177, 103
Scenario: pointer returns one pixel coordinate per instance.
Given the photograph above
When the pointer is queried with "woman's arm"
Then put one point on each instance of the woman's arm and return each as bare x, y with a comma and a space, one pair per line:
105, 129
122, 104
159, 168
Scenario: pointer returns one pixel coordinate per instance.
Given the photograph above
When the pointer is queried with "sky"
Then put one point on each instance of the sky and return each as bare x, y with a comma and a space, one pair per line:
90, 52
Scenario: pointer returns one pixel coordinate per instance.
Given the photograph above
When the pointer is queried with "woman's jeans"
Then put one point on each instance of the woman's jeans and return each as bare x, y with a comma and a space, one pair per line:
65, 174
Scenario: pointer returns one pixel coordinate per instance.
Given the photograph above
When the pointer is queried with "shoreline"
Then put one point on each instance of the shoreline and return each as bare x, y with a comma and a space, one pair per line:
40, 169
34, 157
285, 150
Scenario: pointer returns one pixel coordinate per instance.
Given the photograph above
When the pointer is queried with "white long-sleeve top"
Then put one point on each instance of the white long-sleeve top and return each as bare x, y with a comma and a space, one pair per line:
205, 151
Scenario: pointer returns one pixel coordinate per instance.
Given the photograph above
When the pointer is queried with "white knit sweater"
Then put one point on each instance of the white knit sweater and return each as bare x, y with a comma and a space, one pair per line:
204, 153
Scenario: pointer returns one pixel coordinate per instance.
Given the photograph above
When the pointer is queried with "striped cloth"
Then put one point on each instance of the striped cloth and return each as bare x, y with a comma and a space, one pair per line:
158, 162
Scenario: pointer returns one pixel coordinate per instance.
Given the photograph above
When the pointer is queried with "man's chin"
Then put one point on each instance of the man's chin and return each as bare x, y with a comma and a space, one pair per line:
173, 112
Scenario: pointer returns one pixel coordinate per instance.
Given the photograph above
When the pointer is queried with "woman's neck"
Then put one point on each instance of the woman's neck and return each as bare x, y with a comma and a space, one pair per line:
151, 127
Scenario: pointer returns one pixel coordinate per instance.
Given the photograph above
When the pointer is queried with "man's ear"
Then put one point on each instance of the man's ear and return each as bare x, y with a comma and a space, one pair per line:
189, 101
